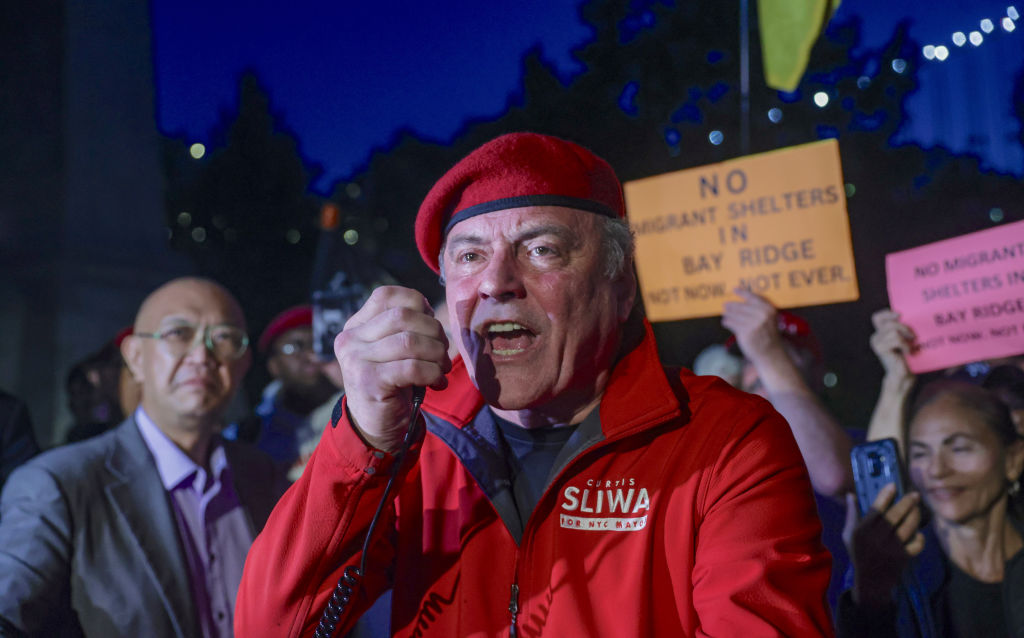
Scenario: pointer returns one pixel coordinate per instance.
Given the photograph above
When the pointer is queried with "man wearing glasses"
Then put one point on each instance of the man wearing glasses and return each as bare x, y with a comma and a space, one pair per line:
287, 432
143, 531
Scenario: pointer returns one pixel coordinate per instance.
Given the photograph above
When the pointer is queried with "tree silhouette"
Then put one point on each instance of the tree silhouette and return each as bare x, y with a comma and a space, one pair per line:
244, 213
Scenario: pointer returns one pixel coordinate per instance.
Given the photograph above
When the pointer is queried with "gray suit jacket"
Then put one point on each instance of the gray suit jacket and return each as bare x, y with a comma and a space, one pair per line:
89, 544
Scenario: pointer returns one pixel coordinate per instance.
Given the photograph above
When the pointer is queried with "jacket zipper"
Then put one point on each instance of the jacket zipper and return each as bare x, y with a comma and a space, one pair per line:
513, 609
513, 601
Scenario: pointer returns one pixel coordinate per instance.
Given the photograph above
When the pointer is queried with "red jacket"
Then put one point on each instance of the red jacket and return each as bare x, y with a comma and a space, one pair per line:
684, 511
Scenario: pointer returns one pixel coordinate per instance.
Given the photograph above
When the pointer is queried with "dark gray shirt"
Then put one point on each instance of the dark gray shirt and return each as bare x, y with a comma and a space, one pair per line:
531, 455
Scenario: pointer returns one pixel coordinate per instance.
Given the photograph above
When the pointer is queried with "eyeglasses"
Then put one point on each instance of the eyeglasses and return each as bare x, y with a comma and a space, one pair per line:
225, 342
293, 348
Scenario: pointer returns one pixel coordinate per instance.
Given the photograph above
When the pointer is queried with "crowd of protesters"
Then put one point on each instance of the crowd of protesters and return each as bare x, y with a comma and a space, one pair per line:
142, 523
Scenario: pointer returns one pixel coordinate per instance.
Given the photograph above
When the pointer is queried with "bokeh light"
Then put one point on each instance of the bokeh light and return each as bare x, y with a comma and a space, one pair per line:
775, 115
941, 53
716, 137
976, 38
351, 236
292, 236
899, 65
197, 150
184, 219
199, 234
821, 99
987, 26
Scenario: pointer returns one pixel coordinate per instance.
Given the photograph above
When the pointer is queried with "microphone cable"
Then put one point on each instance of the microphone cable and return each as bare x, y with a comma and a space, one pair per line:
351, 578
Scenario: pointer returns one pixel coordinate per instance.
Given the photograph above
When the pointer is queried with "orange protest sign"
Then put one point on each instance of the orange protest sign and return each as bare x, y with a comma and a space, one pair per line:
774, 223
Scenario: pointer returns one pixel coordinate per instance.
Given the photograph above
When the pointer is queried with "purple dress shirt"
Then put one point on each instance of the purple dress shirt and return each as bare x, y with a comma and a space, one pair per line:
214, 528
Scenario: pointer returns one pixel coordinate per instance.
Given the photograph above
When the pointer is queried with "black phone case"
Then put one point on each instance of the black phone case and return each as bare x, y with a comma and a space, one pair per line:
875, 465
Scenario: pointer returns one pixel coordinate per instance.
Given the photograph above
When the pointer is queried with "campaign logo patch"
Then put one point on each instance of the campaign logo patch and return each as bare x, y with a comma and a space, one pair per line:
605, 505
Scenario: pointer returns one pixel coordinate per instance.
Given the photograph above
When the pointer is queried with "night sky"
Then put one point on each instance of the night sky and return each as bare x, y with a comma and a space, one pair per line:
344, 77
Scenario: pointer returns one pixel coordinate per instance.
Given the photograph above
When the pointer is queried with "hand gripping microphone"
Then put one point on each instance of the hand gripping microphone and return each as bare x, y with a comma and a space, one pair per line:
351, 577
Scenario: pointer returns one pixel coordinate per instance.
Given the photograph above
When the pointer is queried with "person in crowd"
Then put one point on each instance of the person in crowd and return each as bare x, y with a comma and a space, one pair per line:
17, 438
891, 342
129, 391
717, 360
143, 530
93, 387
782, 362
963, 575
560, 480
320, 417
299, 387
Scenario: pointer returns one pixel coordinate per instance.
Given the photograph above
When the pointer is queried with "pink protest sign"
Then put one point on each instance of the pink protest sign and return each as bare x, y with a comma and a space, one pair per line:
964, 297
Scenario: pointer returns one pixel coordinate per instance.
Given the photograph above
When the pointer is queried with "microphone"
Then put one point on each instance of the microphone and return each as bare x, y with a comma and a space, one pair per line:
418, 394
350, 581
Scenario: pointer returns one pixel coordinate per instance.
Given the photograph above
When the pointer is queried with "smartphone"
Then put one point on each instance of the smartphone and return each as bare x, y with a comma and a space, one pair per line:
875, 465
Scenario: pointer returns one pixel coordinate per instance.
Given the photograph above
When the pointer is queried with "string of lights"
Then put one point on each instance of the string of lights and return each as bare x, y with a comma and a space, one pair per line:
931, 52
976, 37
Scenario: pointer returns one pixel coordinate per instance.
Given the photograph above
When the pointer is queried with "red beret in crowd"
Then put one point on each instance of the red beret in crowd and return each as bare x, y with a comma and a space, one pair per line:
283, 322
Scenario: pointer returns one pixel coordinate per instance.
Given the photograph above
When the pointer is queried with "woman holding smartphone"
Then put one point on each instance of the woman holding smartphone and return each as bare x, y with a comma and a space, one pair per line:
963, 573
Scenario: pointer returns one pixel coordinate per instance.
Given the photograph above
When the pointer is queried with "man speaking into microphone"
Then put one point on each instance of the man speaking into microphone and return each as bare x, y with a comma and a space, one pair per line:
563, 481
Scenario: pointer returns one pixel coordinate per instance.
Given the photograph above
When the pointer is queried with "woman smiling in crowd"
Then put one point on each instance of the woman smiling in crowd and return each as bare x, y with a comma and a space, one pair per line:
965, 575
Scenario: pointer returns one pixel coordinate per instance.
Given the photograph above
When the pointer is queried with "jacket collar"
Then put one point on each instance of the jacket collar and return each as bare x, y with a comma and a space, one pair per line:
135, 489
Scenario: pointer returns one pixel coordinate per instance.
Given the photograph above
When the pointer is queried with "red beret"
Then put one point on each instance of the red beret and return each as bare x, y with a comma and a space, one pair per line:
122, 334
512, 171
282, 323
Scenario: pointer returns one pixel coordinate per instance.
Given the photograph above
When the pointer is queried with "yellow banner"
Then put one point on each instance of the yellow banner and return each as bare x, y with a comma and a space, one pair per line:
789, 29
774, 223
